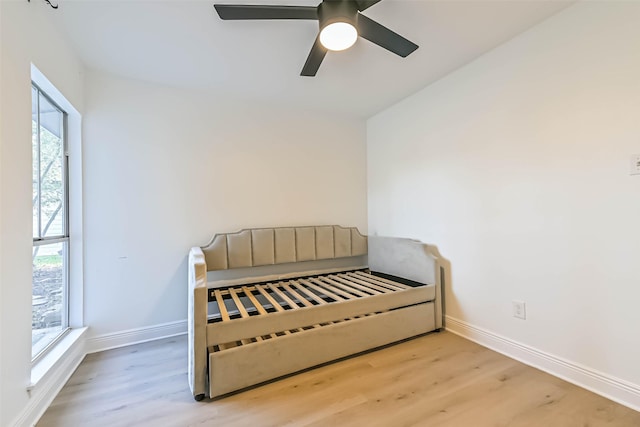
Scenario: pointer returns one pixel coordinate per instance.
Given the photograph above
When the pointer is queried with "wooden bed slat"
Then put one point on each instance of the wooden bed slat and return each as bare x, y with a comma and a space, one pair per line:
282, 295
261, 310
333, 289
254, 300
290, 319
304, 290
223, 309
360, 293
351, 282
347, 288
275, 304
377, 287
298, 296
322, 291
228, 345
238, 303
384, 282
338, 287
265, 293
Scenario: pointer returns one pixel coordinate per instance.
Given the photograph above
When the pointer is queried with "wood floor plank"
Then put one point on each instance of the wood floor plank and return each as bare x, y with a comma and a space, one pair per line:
438, 380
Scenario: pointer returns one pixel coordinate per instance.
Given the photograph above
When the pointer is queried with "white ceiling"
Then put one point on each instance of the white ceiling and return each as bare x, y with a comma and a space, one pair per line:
183, 43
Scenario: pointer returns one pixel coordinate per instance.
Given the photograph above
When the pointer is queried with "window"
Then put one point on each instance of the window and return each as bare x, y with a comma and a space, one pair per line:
50, 286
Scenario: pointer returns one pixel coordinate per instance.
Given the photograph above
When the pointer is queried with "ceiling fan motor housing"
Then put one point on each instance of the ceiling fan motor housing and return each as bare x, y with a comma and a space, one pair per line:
331, 11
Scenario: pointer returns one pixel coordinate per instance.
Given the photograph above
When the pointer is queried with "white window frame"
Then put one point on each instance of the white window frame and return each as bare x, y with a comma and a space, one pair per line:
41, 240
75, 228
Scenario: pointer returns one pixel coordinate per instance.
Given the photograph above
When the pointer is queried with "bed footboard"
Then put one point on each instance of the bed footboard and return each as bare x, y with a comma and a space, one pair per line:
409, 259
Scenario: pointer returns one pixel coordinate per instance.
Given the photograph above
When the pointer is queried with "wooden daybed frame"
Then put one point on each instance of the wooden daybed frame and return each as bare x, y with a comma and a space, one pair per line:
268, 302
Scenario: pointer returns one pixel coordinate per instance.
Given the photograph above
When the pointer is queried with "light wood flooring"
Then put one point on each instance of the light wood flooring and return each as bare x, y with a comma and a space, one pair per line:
438, 379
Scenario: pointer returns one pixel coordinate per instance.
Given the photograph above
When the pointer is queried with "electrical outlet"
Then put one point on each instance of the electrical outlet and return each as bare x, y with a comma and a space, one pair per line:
635, 164
519, 310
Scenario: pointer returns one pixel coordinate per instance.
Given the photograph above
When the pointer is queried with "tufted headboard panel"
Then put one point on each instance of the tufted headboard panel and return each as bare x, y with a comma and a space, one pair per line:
269, 246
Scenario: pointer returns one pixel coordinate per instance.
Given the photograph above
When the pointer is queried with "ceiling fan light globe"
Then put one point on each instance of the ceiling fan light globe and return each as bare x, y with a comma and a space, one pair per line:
338, 36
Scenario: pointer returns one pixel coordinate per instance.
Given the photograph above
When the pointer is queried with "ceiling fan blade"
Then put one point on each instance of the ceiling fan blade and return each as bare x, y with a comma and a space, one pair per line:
366, 4
241, 11
384, 37
314, 59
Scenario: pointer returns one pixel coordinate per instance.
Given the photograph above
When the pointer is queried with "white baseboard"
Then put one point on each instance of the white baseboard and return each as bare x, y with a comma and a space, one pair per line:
51, 382
136, 336
613, 388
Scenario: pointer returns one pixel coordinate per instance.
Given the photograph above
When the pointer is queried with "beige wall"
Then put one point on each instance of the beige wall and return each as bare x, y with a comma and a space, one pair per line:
517, 167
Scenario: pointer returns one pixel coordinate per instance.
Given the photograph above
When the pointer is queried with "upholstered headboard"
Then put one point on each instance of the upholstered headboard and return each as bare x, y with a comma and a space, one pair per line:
269, 246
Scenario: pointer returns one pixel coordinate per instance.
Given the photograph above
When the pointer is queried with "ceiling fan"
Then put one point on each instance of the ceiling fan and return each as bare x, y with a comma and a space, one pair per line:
340, 25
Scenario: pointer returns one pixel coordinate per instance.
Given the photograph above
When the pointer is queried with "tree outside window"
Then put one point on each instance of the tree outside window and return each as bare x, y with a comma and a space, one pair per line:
50, 225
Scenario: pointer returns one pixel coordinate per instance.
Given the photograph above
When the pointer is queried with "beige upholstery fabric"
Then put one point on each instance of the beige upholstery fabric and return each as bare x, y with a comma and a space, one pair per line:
400, 257
268, 246
285, 245
358, 243
237, 368
239, 249
324, 243
262, 244
197, 322
342, 242
216, 256
284, 248
305, 243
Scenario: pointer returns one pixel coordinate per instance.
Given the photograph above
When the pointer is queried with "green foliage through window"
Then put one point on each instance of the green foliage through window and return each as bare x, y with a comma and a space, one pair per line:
50, 230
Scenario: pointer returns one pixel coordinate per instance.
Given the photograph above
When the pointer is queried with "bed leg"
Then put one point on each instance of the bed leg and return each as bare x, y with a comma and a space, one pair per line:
199, 397
438, 330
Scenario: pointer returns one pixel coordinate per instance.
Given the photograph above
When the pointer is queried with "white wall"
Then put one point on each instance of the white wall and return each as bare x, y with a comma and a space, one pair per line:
517, 167
26, 36
165, 169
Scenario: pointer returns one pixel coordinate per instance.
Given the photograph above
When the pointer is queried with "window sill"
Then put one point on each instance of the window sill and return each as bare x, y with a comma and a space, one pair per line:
72, 342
